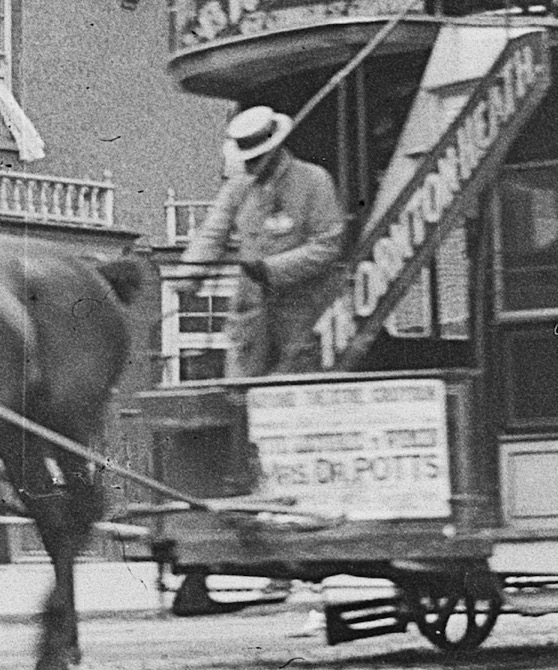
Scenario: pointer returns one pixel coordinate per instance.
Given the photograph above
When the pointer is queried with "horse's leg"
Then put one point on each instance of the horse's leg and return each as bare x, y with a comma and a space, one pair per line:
59, 641
27, 471
63, 513
59, 645
82, 504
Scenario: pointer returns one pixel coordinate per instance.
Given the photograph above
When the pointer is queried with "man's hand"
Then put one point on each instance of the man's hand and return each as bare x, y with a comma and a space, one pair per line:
256, 270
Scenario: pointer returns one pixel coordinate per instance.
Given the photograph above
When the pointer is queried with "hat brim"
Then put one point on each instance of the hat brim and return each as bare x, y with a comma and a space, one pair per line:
284, 126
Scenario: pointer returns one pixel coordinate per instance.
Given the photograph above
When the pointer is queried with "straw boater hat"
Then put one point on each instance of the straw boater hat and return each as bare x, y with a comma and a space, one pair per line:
257, 131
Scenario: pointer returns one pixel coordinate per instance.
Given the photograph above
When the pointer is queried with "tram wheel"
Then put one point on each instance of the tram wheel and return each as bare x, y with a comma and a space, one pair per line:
455, 616
192, 598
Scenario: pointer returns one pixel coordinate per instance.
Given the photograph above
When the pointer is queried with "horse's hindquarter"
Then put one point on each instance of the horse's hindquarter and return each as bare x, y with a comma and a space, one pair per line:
63, 342
82, 339
74, 332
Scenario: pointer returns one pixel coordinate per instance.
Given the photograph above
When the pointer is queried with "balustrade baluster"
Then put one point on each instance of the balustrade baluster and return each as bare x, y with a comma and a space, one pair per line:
30, 192
43, 199
69, 201
83, 209
4, 186
94, 203
56, 191
17, 195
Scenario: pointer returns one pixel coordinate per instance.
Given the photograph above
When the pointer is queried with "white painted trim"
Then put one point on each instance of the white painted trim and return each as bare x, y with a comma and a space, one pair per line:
173, 341
179, 272
169, 330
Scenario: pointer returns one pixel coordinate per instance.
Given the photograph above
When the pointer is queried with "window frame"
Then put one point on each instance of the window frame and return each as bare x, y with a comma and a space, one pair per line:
501, 314
222, 284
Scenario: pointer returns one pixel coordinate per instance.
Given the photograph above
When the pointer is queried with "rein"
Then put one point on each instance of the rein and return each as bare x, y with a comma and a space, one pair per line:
308, 520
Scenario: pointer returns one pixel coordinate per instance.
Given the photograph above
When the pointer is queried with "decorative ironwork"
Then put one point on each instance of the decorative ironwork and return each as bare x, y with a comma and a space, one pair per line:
198, 22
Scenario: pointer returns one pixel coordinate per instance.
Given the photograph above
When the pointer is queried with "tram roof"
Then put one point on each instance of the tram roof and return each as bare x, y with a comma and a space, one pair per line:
232, 67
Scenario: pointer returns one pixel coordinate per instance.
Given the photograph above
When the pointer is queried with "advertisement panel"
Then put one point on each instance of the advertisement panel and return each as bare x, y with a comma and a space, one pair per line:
367, 450
202, 23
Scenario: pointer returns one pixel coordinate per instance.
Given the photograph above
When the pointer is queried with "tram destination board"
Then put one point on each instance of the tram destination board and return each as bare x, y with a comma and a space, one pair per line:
366, 450
394, 248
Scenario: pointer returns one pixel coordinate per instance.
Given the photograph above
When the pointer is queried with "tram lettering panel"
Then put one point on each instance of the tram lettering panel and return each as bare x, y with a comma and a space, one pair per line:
369, 450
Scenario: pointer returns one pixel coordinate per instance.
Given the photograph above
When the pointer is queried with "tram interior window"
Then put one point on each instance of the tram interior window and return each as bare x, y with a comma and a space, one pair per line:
529, 238
531, 374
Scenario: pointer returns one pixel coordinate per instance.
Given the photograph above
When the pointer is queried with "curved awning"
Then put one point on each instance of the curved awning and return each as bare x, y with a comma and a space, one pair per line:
231, 67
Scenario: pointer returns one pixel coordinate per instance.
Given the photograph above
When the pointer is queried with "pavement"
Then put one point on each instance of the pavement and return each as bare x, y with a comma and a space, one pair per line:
130, 586
109, 587
100, 587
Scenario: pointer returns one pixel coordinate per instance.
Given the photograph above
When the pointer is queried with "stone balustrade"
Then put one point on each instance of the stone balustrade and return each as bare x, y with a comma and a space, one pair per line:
47, 199
184, 217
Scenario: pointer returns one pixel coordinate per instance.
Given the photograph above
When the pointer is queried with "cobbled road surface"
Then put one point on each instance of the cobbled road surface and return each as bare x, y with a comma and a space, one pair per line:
270, 639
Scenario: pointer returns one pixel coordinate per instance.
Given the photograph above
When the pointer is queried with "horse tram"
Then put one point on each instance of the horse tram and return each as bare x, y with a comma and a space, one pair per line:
426, 450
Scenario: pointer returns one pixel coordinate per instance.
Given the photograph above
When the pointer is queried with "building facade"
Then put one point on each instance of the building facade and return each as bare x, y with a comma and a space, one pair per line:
90, 81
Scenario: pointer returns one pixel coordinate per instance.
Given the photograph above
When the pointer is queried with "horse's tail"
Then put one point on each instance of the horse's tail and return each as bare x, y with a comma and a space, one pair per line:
125, 277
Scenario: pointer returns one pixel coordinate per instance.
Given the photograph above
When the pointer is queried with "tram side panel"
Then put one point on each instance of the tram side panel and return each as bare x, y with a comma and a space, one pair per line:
387, 464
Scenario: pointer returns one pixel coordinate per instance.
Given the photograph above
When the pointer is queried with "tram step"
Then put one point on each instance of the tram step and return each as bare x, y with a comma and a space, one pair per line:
365, 618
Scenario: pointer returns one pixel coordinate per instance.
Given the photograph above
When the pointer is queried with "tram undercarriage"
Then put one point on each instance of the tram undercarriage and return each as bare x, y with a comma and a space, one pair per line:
443, 145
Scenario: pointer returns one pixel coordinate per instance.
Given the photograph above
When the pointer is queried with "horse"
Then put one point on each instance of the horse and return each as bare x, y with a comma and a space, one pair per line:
64, 343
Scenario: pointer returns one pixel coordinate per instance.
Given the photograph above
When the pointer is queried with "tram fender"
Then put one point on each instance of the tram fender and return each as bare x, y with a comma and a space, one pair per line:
365, 618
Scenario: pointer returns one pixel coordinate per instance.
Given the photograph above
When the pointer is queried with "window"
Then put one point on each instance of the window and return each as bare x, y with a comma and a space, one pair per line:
194, 343
530, 367
526, 294
202, 314
527, 239
5, 42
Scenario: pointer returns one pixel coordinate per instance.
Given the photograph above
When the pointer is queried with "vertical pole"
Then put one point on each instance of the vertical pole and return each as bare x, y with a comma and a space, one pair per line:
470, 505
170, 210
362, 140
343, 143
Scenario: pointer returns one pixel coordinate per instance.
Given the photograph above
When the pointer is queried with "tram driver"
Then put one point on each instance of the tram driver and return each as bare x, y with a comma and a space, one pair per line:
289, 222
